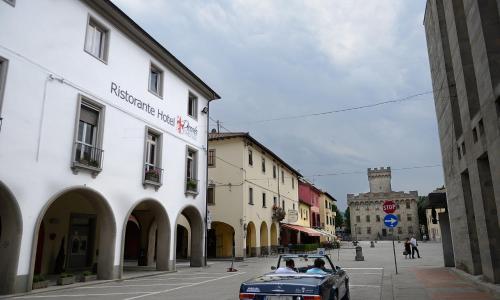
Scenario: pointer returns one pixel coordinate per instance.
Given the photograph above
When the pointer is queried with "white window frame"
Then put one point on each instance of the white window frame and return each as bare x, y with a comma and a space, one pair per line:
193, 105
92, 25
98, 136
193, 171
4, 64
159, 84
157, 161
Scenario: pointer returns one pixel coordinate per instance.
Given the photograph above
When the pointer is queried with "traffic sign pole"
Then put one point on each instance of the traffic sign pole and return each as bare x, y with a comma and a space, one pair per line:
391, 221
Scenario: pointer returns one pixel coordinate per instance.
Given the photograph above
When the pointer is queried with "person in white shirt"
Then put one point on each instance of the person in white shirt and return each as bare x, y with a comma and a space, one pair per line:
289, 268
414, 247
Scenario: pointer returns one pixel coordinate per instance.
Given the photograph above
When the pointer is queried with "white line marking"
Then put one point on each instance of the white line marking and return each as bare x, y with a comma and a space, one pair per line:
351, 274
180, 287
130, 285
362, 285
363, 268
170, 278
80, 295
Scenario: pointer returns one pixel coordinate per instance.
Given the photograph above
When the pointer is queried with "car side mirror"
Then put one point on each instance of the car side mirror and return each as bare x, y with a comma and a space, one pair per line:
273, 268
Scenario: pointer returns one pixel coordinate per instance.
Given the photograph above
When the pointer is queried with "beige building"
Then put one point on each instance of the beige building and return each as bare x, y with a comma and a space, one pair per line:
327, 215
251, 190
433, 227
367, 215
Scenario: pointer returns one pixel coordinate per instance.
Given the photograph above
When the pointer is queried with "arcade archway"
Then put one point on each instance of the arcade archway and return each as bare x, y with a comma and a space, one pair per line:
220, 240
75, 231
264, 239
147, 236
10, 239
196, 238
251, 240
274, 237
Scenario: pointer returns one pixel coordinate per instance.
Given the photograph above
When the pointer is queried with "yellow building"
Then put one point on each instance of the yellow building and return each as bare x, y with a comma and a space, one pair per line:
327, 214
250, 191
304, 214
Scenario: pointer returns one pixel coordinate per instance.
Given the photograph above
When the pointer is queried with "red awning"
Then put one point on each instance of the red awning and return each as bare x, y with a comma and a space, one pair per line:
309, 231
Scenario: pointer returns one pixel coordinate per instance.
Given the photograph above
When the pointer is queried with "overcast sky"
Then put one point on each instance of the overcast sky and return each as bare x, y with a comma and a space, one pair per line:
271, 59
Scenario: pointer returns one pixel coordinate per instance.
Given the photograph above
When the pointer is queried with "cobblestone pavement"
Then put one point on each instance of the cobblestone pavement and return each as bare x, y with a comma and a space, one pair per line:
373, 278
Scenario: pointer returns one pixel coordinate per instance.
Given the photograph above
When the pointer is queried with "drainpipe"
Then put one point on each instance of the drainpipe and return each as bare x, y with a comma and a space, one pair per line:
206, 185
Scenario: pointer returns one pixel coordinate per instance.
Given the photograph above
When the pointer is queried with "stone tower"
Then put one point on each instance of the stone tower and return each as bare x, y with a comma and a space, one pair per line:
380, 180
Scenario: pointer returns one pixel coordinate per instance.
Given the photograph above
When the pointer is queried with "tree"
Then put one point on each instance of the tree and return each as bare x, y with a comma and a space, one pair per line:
339, 217
347, 220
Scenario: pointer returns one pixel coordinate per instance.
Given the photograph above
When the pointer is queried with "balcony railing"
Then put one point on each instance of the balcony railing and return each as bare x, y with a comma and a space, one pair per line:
153, 175
192, 185
87, 157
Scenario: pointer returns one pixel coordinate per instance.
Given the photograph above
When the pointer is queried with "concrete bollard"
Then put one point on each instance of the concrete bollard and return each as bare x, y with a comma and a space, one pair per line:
372, 244
359, 254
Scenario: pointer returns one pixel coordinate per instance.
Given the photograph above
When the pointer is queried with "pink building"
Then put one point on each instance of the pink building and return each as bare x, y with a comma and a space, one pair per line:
309, 195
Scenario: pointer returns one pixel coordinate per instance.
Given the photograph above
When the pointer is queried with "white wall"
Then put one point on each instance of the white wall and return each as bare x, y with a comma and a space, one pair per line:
43, 37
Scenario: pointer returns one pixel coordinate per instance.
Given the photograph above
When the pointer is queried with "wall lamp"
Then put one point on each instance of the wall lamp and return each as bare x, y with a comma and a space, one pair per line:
205, 110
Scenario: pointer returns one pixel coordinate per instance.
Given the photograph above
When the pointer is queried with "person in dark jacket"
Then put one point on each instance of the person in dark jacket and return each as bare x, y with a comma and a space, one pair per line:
407, 250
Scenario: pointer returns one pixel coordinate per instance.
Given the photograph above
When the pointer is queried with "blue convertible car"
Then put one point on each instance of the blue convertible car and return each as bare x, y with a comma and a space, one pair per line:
299, 277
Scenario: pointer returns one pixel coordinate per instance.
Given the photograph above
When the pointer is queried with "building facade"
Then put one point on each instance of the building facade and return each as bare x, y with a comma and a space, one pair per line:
252, 190
102, 140
327, 214
367, 215
462, 41
433, 227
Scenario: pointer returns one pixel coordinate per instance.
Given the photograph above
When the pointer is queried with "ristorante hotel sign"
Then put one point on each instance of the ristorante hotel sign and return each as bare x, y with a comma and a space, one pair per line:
182, 126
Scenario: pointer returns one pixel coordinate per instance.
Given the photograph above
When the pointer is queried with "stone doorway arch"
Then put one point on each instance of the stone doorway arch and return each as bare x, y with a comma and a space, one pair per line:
196, 235
11, 228
154, 236
264, 239
251, 240
80, 232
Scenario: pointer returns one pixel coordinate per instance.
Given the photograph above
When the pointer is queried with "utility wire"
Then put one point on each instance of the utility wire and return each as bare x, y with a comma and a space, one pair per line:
403, 99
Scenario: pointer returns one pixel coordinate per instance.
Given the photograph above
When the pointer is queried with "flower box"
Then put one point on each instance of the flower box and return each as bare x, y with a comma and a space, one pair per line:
40, 284
65, 279
87, 278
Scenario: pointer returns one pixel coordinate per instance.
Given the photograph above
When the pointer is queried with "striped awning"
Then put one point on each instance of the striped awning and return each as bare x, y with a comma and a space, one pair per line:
307, 230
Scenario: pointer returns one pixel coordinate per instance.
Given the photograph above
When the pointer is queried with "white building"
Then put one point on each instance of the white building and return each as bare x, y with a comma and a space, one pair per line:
102, 144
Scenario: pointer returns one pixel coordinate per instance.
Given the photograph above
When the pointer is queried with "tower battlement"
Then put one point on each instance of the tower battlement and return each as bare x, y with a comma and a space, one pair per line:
380, 179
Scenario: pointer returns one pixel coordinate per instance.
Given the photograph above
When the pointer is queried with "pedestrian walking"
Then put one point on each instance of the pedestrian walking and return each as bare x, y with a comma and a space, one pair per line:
414, 247
407, 248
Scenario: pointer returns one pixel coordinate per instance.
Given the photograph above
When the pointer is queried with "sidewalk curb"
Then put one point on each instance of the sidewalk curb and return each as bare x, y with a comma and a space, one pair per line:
493, 289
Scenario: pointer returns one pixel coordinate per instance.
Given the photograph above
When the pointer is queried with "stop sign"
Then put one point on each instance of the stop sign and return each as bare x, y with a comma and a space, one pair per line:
389, 206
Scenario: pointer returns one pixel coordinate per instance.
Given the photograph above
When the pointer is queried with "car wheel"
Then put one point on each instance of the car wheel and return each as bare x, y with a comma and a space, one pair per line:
347, 295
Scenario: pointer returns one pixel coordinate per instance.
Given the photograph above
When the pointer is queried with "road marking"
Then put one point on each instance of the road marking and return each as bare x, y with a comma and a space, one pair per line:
363, 285
351, 274
363, 268
169, 278
180, 287
131, 285
79, 295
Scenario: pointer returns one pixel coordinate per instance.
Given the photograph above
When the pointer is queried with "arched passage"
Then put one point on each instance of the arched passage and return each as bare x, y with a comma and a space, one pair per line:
251, 240
183, 245
220, 240
10, 239
79, 233
149, 223
196, 235
274, 237
264, 239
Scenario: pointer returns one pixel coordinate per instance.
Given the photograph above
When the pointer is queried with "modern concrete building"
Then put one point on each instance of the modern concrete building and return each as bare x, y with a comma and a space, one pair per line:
102, 144
251, 190
462, 39
367, 215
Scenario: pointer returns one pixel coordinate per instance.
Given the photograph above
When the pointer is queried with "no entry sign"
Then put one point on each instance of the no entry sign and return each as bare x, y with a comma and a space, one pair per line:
389, 206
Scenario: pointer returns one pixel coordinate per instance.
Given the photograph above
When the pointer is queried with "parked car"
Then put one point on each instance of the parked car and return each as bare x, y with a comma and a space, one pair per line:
330, 283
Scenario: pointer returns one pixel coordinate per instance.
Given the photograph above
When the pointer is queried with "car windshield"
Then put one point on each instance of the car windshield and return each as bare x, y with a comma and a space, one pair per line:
303, 263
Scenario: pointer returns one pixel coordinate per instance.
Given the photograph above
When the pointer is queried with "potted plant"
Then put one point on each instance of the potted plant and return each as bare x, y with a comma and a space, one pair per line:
152, 175
65, 278
39, 282
88, 276
191, 185
278, 213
